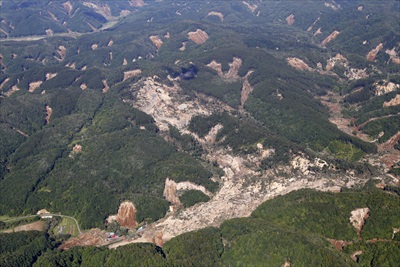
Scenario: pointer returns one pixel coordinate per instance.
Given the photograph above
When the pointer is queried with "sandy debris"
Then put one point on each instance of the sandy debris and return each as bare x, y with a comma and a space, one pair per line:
136, 3
92, 237
218, 14
290, 20
3, 83
68, 7
232, 74
331, 37
131, 73
384, 87
372, 54
34, 85
246, 89
313, 24
393, 102
252, 8
298, 64
83, 86
106, 87
49, 32
94, 46
12, 91
183, 47
49, 112
358, 217
156, 41
199, 36
393, 55
317, 32
61, 51
110, 43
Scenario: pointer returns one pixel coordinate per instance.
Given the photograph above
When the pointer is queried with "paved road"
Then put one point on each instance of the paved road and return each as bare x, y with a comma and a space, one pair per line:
46, 214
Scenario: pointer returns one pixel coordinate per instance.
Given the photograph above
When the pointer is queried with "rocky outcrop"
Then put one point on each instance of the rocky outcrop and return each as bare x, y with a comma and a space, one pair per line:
393, 102
156, 41
126, 216
199, 36
372, 54
357, 219
331, 37
218, 14
290, 20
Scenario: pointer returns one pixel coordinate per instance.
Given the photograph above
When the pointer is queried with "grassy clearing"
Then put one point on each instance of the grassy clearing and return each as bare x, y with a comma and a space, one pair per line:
66, 227
5, 217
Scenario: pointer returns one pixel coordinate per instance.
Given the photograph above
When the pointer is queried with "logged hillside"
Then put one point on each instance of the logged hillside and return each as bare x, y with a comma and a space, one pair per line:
196, 114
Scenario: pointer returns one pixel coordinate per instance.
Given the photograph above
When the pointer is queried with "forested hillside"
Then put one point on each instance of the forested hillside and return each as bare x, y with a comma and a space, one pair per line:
197, 112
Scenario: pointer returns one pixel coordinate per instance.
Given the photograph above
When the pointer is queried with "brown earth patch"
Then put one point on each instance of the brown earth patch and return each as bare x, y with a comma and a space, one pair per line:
93, 237
136, 3
339, 244
131, 73
218, 14
331, 37
252, 8
372, 54
35, 226
290, 20
156, 41
199, 36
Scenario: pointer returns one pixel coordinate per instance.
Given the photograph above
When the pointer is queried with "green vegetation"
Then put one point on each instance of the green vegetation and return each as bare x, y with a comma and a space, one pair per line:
291, 228
66, 227
96, 150
345, 151
191, 197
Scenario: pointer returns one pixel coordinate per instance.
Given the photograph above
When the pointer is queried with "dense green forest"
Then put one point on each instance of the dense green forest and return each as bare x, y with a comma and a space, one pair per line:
73, 140
291, 228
